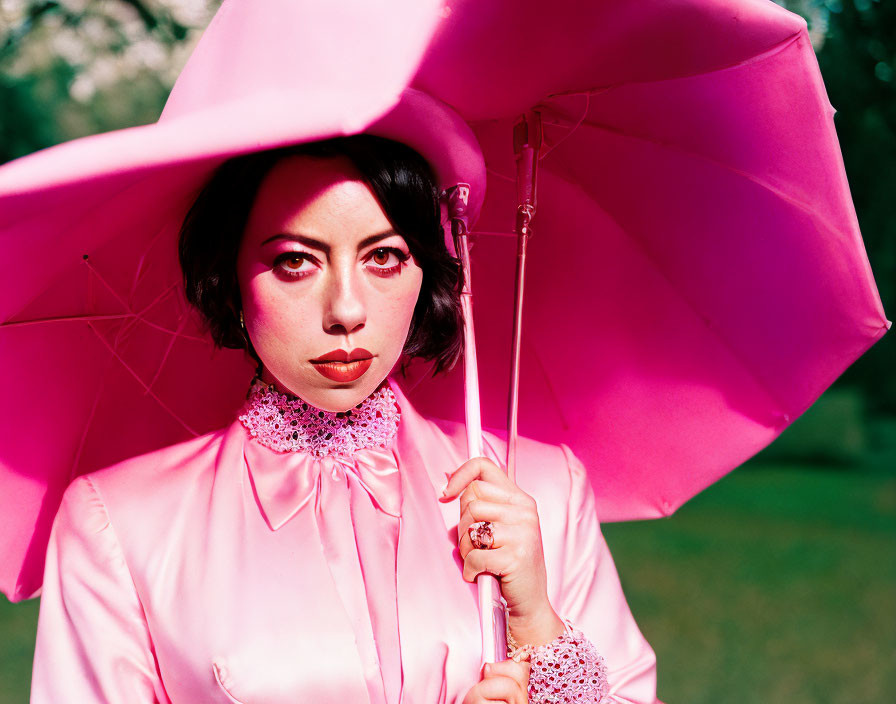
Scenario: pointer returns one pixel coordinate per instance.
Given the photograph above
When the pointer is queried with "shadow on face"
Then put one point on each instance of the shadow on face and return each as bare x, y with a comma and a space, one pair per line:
328, 287
334, 254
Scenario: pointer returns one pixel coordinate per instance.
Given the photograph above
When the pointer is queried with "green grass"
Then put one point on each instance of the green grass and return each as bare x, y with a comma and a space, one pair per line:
17, 626
778, 584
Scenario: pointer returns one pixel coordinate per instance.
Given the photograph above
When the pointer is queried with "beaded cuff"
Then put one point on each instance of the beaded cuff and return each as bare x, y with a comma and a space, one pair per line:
568, 670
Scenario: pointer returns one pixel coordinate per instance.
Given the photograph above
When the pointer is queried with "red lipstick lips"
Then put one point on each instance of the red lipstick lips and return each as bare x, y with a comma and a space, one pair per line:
343, 366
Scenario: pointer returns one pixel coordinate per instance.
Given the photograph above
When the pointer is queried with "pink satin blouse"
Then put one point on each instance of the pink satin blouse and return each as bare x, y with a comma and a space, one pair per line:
219, 570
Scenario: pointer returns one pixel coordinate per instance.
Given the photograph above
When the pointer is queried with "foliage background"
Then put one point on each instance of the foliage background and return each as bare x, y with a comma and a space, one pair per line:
778, 583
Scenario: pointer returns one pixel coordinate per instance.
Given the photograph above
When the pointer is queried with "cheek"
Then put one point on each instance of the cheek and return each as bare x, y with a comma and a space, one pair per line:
404, 304
408, 300
278, 320
287, 320
397, 308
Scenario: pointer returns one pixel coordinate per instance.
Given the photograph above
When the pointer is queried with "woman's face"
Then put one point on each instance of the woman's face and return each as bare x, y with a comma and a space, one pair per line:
328, 288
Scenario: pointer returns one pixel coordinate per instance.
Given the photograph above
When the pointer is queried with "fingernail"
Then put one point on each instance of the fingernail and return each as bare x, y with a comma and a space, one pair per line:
486, 669
444, 493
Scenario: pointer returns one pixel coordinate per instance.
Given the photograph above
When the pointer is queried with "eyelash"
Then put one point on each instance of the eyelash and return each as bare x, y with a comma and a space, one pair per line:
286, 256
392, 270
378, 271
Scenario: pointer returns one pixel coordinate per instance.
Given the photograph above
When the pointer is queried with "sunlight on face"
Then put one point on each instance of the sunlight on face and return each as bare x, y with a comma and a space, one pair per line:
328, 288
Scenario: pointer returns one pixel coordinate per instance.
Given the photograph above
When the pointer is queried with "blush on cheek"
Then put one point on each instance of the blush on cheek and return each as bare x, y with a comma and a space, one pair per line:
270, 325
281, 332
393, 322
400, 311
404, 303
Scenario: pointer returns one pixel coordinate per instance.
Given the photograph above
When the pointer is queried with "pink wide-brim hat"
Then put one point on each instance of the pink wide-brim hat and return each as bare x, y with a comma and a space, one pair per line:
95, 211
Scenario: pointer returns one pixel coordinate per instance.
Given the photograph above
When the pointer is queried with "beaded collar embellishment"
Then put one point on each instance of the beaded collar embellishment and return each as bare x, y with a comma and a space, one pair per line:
286, 423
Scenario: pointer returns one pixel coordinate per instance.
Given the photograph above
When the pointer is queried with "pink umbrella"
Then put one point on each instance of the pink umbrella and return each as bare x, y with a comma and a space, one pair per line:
699, 278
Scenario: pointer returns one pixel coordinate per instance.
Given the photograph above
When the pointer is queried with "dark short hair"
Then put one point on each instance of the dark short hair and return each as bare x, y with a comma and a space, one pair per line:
402, 182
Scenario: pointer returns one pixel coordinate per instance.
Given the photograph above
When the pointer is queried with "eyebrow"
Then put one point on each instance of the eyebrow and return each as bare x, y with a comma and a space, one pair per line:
323, 246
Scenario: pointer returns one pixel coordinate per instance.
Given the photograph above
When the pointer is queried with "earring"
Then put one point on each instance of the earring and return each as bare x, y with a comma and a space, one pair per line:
244, 332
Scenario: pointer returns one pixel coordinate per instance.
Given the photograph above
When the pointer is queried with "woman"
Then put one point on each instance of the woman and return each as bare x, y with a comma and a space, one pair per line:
304, 552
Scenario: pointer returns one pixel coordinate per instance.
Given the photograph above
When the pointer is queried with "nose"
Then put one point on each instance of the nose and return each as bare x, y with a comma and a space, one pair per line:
345, 310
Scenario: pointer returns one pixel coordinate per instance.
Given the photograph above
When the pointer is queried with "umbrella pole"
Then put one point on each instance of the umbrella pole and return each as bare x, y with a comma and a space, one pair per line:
491, 607
472, 413
526, 144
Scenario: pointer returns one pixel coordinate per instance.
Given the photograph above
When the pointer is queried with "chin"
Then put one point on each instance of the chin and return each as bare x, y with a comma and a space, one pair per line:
327, 395
337, 400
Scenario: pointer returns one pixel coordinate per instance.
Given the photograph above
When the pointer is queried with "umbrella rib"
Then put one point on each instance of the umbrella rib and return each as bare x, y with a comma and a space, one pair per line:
64, 319
83, 437
91, 318
553, 392
112, 316
422, 377
143, 384
168, 331
77, 221
573, 129
139, 270
176, 333
762, 56
703, 319
726, 167
494, 234
111, 290
498, 174
133, 314
105, 283
167, 352
587, 95
137, 316
158, 298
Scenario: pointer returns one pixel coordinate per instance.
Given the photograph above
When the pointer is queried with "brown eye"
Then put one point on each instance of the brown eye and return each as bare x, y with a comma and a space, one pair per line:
386, 261
295, 264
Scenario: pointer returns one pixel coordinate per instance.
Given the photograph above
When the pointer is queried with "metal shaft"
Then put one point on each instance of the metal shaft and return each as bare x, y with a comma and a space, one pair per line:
527, 139
472, 411
491, 608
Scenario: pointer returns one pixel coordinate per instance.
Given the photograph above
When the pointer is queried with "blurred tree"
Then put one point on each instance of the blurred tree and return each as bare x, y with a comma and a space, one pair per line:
855, 42
69, 68
858, 63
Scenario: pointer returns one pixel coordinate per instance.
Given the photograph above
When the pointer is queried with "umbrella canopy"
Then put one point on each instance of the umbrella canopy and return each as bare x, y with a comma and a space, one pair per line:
697, 277
696, 280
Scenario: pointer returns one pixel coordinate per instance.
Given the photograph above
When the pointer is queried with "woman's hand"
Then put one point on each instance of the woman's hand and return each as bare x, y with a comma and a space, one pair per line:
516, 556
505, 681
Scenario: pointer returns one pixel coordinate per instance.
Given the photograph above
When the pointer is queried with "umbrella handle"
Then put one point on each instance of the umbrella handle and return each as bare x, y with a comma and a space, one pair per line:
472, 411
492, 619
527, 138
491, 605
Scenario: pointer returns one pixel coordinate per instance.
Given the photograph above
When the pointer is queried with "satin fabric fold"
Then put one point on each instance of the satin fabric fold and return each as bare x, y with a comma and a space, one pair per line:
169, 566
356, 504
387, 555
438, 645
288, 480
